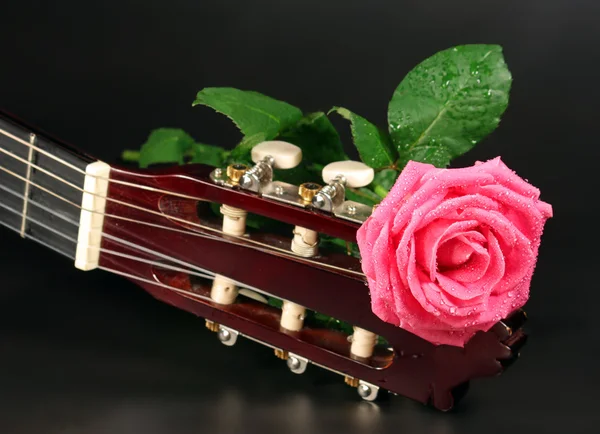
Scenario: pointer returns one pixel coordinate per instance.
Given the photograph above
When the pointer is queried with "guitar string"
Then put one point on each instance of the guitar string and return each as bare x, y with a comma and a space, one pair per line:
113, 181
208, 275
58, 178
204, 272
107, 179
139, 278
161, 226
43, 243
83, 172
116, 239
200, 226
20, 196
183, 293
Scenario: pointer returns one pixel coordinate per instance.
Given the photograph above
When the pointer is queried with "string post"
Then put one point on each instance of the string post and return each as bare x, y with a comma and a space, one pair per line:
235, 172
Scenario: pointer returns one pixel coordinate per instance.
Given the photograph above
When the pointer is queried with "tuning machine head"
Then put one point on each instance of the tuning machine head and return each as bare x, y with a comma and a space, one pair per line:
274, 154
338, 176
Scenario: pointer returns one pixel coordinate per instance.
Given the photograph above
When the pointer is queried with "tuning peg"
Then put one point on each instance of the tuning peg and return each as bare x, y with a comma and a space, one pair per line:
224, 290
284, 154
269, 155
338, 175
355, 173
305, 243
363, 343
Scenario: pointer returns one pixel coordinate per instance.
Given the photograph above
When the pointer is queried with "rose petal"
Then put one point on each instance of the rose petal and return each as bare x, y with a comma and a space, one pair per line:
403, 187
381, 261
366, 236
426, 245
470, 261
476, 230
453, 208
454, 253
508, 178
516, 248
520, 210
407, 259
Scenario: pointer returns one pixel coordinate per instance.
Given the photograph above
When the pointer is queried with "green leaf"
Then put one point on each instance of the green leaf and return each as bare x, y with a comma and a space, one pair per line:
252, 112
207, 154
339, 245
317, 137
448, 103
299, 175
374, 145
275, 302
242, 152
363, 195
383, 182
130, 155
386, 178
165, 145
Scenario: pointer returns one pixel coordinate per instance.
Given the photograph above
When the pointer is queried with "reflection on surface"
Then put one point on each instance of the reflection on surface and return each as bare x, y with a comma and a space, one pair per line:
366, 416
99, 356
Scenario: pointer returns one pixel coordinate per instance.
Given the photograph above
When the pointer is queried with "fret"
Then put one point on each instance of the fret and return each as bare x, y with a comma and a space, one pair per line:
46, 232
43, 243
9, 163
35, 173
32, 141
57, 180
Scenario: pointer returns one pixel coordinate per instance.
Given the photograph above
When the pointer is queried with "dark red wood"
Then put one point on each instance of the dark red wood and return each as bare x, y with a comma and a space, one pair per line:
418, 370
194, 180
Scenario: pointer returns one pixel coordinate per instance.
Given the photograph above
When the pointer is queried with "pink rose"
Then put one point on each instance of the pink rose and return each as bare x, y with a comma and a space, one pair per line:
450, 252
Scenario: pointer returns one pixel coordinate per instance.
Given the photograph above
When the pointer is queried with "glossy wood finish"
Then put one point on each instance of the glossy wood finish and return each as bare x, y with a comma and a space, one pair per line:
419, 369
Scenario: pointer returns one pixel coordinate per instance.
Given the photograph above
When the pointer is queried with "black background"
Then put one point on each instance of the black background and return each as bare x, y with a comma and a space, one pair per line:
92, 353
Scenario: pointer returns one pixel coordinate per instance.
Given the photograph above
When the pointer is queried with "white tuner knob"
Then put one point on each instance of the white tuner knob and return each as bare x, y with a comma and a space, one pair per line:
285, 155
356, 174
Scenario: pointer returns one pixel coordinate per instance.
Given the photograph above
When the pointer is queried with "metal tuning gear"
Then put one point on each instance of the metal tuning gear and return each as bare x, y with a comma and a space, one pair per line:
274, 154
332, 195
339, 176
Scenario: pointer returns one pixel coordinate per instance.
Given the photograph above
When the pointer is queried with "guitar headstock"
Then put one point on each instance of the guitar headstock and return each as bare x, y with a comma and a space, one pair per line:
185, 235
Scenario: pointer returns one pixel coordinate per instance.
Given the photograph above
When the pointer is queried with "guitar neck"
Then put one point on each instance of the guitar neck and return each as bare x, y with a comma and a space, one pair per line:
41, 183
155, 228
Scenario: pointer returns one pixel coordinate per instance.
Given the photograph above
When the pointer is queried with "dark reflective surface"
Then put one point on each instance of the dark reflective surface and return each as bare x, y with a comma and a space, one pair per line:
91, 353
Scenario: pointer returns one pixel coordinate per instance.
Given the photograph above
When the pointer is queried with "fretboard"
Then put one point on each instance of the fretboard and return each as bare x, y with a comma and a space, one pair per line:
40, 187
